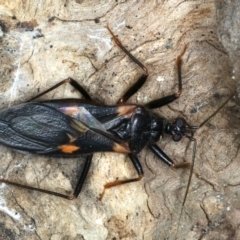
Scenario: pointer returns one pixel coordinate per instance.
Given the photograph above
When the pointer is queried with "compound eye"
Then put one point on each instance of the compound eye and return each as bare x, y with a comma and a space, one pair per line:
176, 138
180, 122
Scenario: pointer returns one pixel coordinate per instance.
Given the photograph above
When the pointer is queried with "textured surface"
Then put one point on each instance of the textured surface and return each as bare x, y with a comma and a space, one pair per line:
228, 19
36, 54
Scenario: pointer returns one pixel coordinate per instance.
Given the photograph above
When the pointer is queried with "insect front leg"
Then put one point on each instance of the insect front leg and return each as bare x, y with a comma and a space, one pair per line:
168, 99
163, 157
137, 165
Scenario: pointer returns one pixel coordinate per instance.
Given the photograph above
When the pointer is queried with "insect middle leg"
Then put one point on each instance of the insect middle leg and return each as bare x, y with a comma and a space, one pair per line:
153, 104
138, 84
131, 91
137, 166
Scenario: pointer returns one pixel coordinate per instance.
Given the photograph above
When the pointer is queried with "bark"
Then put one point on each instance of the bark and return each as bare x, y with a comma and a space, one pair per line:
37, 53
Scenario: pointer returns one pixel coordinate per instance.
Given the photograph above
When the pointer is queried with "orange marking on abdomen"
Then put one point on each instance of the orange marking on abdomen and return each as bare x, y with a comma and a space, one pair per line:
127, 110
71, 110
121, 148
68, 148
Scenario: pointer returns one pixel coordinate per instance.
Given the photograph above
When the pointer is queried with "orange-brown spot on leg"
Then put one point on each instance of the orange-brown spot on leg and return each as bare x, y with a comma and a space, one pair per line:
182, 165
126, 110
179, 58
68, 148
121, 148
117, 183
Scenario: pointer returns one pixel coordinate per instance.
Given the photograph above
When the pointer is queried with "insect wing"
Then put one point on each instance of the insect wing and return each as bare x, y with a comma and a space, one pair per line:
84, 116
40, 129
34, 127
98, 138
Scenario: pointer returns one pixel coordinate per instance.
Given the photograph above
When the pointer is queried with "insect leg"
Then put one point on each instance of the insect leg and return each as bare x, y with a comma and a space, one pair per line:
82, 177
139, 170
137, 85
72, 82
168, 99
162, 156
81, 90
88, 160
76, 191
35, 189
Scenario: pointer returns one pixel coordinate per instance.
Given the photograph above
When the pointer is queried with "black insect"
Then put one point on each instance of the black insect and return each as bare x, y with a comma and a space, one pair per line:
71, 127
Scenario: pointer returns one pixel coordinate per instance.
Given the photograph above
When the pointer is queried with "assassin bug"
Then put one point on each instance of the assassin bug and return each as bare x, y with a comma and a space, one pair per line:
71, 127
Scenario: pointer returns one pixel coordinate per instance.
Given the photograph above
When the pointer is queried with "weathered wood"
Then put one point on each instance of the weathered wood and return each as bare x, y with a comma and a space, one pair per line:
37, 53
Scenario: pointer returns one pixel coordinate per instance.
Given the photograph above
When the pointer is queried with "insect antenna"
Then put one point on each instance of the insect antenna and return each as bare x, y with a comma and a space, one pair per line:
191, 166
214, 113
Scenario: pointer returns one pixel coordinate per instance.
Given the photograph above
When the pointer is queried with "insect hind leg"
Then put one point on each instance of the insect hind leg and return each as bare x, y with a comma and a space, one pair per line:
69, 80
35, 189
77, 190
83, 176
